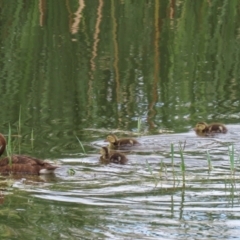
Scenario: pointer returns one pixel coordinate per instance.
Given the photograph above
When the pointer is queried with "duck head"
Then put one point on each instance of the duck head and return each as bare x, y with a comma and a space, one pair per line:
201, 127
112, 138
104, 152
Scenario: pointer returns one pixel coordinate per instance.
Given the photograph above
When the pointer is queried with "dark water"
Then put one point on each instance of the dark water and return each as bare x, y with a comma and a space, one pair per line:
88, 68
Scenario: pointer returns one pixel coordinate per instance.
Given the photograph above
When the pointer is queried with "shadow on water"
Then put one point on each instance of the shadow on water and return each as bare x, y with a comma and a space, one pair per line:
145, 198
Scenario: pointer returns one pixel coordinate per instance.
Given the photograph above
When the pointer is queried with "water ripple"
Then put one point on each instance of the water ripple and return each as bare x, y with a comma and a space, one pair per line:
148, 198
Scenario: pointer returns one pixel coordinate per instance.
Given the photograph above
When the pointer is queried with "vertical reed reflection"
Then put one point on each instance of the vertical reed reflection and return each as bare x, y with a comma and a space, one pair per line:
152, 111
42, 10
172, 9
115, 44
96, 34
78, 16
94, 55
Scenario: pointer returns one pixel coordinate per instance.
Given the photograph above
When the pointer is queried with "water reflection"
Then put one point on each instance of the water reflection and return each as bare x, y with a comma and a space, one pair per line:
88, 68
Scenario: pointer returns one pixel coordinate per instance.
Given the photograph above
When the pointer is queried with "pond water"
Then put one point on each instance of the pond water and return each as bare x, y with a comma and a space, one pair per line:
146, 69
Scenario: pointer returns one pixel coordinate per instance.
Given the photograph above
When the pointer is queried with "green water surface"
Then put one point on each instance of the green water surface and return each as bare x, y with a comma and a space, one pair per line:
87, 68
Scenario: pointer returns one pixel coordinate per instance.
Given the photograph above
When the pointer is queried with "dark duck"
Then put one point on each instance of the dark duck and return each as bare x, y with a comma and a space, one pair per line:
21, 164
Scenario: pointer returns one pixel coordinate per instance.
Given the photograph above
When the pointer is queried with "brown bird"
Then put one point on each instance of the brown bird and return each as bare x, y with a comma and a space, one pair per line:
20, 164
112, 157
115, 143
203, 128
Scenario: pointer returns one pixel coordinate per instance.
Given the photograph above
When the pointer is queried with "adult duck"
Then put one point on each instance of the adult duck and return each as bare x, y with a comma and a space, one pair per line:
20, 164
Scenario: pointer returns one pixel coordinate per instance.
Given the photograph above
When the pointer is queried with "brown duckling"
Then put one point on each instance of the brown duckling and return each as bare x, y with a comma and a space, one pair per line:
115, 143
204, 128
20, 164
112, 157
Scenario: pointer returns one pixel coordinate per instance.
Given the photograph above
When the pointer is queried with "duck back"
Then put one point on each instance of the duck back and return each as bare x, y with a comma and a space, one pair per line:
25, 165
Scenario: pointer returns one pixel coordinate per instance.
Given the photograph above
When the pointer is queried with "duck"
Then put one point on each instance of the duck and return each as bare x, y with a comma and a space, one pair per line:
202, 128
115, 143
107, 156
21, 164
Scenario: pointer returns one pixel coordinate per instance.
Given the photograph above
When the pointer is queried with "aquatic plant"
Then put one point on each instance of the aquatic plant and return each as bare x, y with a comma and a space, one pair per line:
172, 162
19, 129
71, 171
182, 165
81, 144
139, 125
19, 120
151, 172
209, 160
231, 158
9, 146
32, 138
161, 168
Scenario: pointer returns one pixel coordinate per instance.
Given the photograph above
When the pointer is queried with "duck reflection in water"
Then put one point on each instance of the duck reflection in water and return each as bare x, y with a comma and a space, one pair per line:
20, 164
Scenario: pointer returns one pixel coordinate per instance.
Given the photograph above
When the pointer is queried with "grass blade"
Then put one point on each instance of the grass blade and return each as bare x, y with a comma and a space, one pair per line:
183, 168
81, 145
231, 157
9, 146
172, 161
210, 167
151, 172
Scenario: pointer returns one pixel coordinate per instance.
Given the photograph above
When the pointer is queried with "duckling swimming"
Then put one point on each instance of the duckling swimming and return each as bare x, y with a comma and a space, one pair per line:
20, 164
203, 128
112, 157
115, 143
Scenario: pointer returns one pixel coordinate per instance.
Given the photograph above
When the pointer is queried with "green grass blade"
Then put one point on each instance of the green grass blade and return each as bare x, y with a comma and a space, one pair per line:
32, 138
19, 120
182, 165
172, 161
172, 153
151, 172
149, 167
210, 167
9, 146
139, 125
81, 145
231, 157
